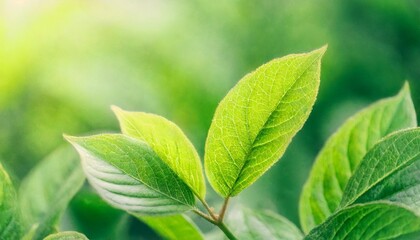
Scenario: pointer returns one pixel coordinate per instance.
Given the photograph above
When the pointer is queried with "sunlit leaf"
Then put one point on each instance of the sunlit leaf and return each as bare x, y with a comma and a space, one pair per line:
344, 150
10, 225
176, 227
169, 143
129, 175
48, 189
376, 220
255, 122
66, 236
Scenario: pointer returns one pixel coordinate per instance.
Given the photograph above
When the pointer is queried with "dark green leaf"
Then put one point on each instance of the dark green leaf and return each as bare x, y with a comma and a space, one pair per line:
344, 150
376, 220
389, 171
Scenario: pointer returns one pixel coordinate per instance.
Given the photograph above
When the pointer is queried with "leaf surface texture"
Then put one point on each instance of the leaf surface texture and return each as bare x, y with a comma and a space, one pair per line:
256, 121
344, 150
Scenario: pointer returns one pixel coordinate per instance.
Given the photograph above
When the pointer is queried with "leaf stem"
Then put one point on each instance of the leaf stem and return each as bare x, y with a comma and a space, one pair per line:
223, 210
227, 232
215, 219
205, 216
209, 210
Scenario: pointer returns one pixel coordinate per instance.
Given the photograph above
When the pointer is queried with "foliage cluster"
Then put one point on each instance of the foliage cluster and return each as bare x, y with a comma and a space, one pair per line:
363, 185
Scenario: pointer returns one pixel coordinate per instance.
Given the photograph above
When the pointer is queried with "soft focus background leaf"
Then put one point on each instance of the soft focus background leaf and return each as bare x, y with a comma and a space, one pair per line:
92, 216
66, 236
376, 220
342, 153
176, 227
129, 175
258, 225
63, 63
47, 190
169, 143
256, 121
10, 222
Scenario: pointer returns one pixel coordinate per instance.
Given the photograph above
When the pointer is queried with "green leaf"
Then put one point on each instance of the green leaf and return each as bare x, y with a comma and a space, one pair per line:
129, 175
169, 143
47, 190
10, 225
248, 224
396, 164
66, 236
256, 121
176, 227
376, 220
345, 149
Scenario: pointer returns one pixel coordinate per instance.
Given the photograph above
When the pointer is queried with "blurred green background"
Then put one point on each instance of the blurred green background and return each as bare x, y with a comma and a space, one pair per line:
63, 63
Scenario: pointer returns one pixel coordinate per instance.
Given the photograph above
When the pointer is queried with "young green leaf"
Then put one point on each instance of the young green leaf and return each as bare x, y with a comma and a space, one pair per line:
376, 220
10, 223
169, 143
255, 122
176, 227
396, 164
129, 175
47, 190
248, 224
345, 149
66, 236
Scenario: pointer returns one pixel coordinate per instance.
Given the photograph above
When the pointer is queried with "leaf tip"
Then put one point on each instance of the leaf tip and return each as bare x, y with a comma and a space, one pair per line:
320, 51
116, 109
67, 137
405, 88
71, 139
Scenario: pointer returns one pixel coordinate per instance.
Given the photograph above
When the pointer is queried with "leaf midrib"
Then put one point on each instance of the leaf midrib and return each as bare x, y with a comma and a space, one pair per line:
370, 186
134, 177
399, 99
133, 127
247, 160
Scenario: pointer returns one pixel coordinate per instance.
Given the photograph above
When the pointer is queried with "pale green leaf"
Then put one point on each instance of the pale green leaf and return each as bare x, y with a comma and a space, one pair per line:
345, 149
129, 175
176, 227
66, 236
254, 225
30, 233
255, 122
389, 171
169, 143
47, 190
10, 223
372, 221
